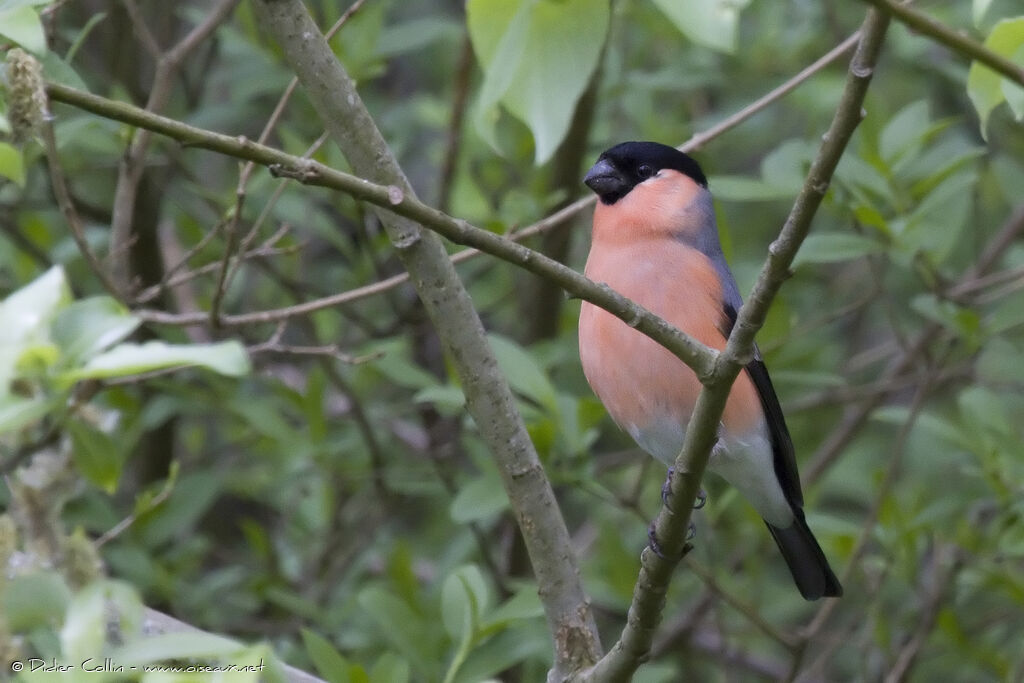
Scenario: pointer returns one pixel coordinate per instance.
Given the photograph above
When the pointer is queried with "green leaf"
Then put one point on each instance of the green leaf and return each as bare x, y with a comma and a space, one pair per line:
85, 626
17, 413
12, 165
948, 314
390, 668
464, 597
711, 23
21, 24
904, 131
407, 631
88, 326
744, 189
524, 373
481, 498
447, 398
414, 35
983, 408
330, 663
227, 358
525, 604
534, 66
34, 600
937, 222
25, 317
831, 247
180, 645
978, 10
98, 457
59, 71
984, 86
27, 312
1014, 93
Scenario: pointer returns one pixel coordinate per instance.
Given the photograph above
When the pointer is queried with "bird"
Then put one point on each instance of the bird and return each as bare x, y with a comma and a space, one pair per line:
655, 241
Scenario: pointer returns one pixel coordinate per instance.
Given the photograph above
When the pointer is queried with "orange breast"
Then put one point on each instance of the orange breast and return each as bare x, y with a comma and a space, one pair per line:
639, 382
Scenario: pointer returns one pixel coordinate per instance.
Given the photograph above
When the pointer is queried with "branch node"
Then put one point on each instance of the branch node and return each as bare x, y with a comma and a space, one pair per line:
303, 172
395, 195
862, 70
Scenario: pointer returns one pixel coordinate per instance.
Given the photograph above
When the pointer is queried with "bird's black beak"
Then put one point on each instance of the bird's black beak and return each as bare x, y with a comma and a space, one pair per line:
606, 181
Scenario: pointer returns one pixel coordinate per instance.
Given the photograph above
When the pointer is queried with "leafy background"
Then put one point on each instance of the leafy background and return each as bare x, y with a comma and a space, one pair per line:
316, 490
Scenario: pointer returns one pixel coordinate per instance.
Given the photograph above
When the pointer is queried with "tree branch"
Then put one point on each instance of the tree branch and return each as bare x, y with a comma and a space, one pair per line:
959, 43
393, 198
652, 584
489, 398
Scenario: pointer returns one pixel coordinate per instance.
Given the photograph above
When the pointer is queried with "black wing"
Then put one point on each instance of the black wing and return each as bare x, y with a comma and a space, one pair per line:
782, 443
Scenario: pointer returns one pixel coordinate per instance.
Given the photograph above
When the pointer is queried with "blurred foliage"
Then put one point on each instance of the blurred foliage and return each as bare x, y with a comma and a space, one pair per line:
345, 515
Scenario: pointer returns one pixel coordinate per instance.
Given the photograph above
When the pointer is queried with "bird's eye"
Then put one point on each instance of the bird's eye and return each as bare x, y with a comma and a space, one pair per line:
645, 171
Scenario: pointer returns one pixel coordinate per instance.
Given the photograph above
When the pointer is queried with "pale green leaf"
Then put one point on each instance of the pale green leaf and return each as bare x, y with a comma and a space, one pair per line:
12, 165
903, 131
88, 326
14, 4
832, 247
17, 413
180, 645
957, 318
34, 600
410, 634
464, 597
1014, 93
479, 499
744, 189
524, 373
938, 221
390, 668
978, 10
532, 65
21, 24
96, 455
525, 604
448, 399
58, 70
28, 311
91, 611
227, 358
711, 23
328, 661
25, 317
984, 86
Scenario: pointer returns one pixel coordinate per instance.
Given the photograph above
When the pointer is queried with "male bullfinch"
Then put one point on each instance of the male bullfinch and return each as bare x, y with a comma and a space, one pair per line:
655, 241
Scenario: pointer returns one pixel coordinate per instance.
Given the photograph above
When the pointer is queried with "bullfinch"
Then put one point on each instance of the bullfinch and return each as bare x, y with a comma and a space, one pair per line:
655, 241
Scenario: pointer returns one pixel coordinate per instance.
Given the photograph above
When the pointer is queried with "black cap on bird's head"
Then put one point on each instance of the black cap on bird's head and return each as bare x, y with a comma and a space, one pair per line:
624, 166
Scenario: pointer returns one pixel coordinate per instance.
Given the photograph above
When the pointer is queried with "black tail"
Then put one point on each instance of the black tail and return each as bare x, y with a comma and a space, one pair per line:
806, 560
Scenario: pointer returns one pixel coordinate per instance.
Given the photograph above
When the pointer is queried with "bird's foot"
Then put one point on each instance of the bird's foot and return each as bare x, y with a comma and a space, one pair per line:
655, 546
666, 490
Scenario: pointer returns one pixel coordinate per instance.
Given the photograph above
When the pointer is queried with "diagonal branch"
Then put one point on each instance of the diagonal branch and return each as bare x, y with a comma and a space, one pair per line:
652, 584
311, 172
959, 43
489, 398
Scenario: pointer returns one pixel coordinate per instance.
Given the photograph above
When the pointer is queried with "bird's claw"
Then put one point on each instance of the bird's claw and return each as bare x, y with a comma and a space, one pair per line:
666, 489
652, 541
655, 546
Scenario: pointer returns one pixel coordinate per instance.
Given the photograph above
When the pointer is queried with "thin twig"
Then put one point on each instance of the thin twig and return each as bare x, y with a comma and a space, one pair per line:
132, 165
396, 201
67, 208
